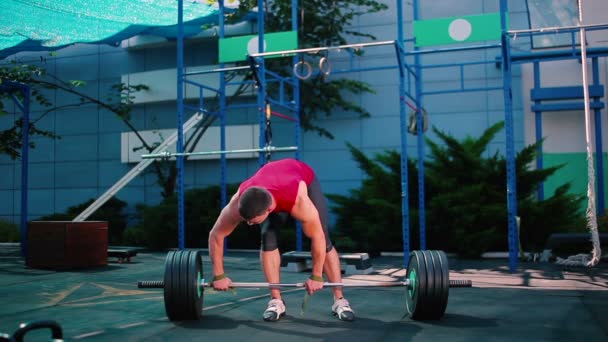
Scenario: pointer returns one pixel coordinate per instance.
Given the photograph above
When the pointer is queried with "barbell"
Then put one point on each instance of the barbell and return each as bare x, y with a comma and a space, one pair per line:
426, 280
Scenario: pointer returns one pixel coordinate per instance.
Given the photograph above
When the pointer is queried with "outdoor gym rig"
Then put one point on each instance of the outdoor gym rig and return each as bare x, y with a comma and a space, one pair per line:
426, 281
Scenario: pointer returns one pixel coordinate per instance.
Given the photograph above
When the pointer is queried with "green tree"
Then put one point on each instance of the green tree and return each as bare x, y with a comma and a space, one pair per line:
369, 218
465, 200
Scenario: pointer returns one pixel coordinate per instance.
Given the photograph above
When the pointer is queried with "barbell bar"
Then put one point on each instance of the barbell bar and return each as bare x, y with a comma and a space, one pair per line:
160, 284
426, 280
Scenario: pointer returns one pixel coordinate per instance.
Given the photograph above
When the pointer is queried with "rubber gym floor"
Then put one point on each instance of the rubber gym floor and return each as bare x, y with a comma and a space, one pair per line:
540, 302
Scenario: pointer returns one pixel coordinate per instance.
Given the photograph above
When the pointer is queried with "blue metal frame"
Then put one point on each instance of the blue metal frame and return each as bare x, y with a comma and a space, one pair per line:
511, 167
420, 140
180, 128
506, 60
405, 210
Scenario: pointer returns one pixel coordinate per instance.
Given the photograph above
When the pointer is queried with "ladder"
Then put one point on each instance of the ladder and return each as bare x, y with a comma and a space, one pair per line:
135, 171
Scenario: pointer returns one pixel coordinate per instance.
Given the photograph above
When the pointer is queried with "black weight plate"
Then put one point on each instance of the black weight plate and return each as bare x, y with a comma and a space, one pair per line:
416, 293
180, 269
170, 306
183, 296
428, 306
437, 308
445, 287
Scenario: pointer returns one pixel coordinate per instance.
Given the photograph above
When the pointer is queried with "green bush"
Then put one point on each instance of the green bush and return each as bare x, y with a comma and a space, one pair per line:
112, 211
465, 200
369, 219
9, 232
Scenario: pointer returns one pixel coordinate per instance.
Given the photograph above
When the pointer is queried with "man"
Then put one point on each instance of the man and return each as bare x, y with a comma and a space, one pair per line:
281, 188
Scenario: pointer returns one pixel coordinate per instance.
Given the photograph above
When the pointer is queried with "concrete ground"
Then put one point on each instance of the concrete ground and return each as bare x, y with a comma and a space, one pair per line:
541, 302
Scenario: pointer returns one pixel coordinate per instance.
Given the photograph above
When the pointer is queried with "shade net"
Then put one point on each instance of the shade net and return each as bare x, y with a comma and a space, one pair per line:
33, 25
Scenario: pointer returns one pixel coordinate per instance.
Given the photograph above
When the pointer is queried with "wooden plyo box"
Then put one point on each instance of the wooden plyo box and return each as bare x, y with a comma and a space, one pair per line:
67, 244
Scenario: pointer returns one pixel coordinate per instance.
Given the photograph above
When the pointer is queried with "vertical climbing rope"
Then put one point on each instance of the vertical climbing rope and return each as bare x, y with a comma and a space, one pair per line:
596, 253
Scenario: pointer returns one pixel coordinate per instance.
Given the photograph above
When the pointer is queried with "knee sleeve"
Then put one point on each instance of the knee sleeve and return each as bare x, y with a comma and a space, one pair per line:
270, 231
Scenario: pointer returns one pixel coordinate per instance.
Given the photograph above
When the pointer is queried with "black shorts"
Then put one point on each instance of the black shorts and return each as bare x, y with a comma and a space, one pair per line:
271, 226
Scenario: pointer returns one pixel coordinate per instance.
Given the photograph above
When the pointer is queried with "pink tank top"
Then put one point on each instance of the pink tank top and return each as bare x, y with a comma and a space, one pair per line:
281, 178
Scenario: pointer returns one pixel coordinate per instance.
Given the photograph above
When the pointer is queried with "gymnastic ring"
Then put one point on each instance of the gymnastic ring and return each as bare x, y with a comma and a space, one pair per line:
325, 66
306, 66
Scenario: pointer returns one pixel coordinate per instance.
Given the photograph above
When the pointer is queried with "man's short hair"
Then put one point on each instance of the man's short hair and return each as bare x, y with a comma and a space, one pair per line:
253, 202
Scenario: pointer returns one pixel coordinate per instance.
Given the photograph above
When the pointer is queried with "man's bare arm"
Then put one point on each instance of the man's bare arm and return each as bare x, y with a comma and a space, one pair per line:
306, 212
224, 225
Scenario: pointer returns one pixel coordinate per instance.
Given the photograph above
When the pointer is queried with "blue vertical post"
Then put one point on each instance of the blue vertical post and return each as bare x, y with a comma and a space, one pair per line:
180, 120
510, 145
222, 114
262, 79
25, 129
599, 151
538, 125
420, 141
296, 100
405, 211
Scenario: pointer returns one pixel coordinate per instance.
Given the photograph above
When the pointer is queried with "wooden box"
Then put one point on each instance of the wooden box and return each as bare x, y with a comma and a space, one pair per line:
67, 244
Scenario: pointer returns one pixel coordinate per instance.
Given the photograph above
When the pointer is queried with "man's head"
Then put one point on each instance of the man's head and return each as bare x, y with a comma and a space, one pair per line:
254, 204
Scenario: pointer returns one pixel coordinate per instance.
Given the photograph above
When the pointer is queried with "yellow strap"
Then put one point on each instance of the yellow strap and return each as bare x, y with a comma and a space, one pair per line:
303, 307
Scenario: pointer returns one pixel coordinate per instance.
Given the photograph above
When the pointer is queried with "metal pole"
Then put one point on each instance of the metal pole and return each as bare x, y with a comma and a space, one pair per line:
319, 49
406, 283
297, 110
405, 212
206, 153
538, 116
420, 141
599, 151
510, 145
180, 128
262, 81
556, 29
223, 163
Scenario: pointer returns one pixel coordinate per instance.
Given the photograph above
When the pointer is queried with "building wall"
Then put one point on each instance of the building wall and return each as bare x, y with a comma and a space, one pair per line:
86, 160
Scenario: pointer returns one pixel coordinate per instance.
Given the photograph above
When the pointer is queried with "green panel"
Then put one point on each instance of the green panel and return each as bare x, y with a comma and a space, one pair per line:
471, 28
237, 48
574, 172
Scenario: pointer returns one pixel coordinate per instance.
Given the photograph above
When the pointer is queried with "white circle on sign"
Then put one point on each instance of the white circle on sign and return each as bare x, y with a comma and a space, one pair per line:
460, 29
253, 46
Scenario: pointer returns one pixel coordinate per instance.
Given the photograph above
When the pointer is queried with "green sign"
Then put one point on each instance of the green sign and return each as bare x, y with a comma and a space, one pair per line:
237, 48
471, 28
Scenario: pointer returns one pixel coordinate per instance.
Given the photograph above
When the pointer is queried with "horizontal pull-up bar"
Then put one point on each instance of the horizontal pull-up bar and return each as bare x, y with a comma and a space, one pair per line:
557, 29
267, 149
318, 49
210, 71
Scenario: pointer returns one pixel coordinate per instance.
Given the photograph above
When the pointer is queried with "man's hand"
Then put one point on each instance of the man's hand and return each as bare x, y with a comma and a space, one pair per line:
223, 284
313, 285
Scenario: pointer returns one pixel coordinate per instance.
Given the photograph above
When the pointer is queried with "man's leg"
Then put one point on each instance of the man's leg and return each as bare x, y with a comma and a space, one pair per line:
271, 266
270, 259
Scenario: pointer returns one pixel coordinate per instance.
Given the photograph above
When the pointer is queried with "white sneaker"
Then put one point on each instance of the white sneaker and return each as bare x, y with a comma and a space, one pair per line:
342, 310
275, 310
